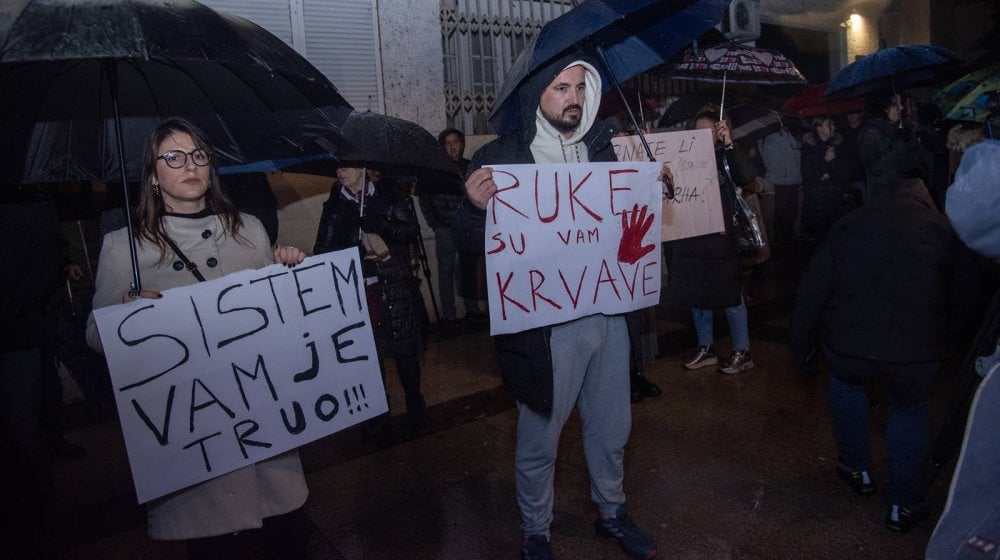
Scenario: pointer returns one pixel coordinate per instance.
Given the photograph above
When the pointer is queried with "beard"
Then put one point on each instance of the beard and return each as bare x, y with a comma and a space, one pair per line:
563, 123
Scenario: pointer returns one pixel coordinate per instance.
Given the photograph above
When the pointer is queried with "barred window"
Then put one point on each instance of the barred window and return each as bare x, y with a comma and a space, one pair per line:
479, 41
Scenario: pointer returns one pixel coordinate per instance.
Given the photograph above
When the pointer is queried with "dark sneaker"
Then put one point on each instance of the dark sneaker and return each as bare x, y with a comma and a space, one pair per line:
633, 540
901, 518
703, 356
536, 547
738, 361
859, 481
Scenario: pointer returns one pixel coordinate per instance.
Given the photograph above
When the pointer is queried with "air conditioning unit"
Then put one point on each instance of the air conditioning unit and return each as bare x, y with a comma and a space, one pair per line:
742, 21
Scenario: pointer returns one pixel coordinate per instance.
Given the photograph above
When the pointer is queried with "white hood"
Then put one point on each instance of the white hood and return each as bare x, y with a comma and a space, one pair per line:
549, 145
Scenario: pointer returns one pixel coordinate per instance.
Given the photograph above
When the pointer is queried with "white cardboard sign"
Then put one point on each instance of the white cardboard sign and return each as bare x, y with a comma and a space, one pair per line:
696, 208
565, 241
222, 374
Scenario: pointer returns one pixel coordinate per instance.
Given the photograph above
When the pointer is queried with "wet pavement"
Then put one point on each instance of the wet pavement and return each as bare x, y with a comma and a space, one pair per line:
718, 467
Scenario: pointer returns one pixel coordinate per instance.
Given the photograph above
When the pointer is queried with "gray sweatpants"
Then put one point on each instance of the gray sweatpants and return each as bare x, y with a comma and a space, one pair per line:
590, 370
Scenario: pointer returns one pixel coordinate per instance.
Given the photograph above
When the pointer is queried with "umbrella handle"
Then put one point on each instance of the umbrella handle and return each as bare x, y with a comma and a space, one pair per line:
621, 94
113, 83
722, 103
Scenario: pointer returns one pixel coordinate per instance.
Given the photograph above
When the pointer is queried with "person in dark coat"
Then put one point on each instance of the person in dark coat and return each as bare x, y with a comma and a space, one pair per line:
378, 219
34, 253
705, 270
438, 203
881, 298
888, 152
551, 369
849, 127
825, 178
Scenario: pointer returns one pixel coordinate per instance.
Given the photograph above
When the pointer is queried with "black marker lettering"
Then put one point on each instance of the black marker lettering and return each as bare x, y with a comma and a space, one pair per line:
138, 341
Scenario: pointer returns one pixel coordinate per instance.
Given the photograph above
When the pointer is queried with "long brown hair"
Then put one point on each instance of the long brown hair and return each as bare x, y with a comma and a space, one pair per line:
150, 208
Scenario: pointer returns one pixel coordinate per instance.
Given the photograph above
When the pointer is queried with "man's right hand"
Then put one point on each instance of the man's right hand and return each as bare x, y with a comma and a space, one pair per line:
480, 187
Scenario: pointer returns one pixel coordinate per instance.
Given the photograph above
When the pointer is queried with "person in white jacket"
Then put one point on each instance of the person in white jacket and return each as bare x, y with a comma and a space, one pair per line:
181, 202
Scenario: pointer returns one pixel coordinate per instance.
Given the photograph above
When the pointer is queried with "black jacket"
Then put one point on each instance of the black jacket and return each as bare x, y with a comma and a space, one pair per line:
887, 158
389, 213
826, 184
525, 357
891, 283
33, 254
705, 270
439, 201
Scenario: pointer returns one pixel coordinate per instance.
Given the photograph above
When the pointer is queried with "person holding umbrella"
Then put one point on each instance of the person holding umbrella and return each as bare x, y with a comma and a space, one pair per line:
186, 231
376, 217
705, 271
889, 151
585, 361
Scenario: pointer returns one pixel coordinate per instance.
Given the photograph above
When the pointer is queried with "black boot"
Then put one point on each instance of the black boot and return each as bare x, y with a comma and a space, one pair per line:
643, 386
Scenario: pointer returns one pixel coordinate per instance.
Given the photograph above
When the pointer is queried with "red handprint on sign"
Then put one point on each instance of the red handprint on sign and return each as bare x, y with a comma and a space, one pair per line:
634, 228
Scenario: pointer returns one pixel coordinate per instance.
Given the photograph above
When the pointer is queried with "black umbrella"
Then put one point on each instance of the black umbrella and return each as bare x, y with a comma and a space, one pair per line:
387, 144
752, 122
83, 81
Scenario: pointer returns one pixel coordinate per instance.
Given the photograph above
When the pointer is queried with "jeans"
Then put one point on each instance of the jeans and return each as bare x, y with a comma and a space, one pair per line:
909, 418
738, 329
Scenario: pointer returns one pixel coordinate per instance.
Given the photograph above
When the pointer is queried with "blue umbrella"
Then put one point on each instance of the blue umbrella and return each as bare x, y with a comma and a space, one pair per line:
628, 36
893, 68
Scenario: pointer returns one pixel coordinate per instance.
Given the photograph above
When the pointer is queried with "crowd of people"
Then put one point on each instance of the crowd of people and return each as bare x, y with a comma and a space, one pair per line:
888, 287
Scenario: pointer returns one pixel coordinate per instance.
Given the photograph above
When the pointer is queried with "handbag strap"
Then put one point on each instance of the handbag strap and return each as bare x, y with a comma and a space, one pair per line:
187, 262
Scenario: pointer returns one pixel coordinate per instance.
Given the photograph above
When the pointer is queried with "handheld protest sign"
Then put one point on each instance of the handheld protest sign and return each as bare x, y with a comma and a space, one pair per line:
221, 374
696, 208
565, 241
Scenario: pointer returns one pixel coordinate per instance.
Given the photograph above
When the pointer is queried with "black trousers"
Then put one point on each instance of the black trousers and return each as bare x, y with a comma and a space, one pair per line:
280, 537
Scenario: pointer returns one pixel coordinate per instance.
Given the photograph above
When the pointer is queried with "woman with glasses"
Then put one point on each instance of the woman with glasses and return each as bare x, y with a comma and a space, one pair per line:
183, 217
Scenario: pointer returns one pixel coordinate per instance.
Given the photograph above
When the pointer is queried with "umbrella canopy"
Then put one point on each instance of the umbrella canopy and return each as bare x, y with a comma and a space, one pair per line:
751, 122
972, 97
632, 36
813, 102
732, 63
387, 144
64, 65
894, 67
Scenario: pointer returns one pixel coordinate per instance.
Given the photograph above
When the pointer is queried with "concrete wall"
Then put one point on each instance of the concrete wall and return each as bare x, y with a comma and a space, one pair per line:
412, 64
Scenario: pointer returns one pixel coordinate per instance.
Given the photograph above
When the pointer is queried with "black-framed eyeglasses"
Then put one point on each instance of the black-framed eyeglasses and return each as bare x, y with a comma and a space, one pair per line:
176, 159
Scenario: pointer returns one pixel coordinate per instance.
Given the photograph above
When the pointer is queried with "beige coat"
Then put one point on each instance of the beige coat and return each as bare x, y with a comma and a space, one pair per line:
240, 499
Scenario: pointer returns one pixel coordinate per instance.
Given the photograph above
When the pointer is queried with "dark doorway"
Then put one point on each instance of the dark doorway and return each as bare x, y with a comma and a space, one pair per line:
807, 48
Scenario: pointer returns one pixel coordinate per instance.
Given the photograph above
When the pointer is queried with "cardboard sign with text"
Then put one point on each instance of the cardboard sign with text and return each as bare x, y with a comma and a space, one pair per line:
557, 248
696, 208
221, 374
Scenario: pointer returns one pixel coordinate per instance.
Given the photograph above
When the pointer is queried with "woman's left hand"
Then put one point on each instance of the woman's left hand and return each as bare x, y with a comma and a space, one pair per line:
666, 178
288, 255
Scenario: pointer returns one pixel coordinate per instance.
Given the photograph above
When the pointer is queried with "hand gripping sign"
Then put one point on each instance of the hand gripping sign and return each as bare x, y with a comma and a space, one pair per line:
565, 241
221, 374
696, 208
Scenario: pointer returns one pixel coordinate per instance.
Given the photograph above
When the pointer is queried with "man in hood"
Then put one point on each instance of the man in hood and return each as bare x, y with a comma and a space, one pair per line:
584, 361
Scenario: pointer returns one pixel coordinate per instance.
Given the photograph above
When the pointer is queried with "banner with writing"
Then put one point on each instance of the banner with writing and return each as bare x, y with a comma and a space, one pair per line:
696, 208
565, 241
221, 374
